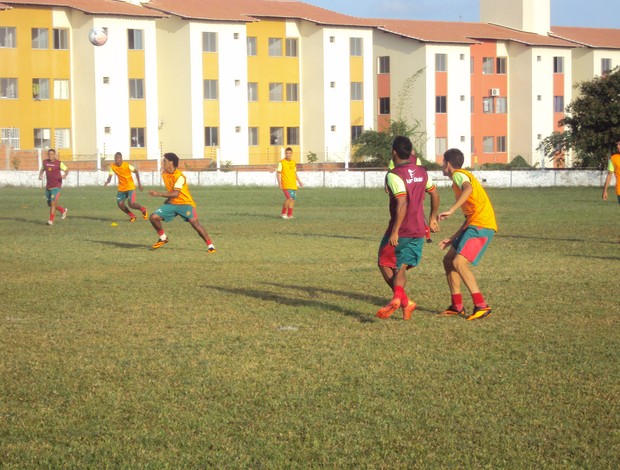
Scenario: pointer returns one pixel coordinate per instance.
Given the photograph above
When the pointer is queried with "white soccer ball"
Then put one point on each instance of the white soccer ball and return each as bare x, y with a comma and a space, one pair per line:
98, 36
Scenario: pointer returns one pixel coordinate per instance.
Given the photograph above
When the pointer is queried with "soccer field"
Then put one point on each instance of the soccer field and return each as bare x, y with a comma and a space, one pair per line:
267, 354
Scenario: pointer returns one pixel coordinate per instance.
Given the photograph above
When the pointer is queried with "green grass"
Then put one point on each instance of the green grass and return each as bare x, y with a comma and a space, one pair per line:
268, 355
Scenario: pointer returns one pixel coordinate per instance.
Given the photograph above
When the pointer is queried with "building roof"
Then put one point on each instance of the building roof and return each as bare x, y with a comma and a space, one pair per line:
465, 33
251, 10
90, 7
600, 38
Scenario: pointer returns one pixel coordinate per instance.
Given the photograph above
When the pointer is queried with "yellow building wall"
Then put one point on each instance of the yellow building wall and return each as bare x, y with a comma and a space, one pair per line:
264, 114
211, 108
24, 64
137, 108
357, 75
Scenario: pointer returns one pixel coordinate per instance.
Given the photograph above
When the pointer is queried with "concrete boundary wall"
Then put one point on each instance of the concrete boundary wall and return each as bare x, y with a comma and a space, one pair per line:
318, 179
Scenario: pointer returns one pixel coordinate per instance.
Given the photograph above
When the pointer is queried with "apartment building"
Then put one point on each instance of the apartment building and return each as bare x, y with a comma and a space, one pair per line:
240, 81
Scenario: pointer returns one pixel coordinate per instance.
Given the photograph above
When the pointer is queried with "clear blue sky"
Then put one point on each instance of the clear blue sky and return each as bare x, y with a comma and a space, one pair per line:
589, 13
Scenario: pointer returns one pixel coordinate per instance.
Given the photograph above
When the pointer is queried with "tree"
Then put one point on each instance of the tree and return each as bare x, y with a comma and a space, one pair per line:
592, 123
375, 147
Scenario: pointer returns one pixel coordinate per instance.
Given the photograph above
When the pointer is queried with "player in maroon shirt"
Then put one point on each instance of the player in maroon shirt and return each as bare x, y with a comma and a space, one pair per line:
55, 171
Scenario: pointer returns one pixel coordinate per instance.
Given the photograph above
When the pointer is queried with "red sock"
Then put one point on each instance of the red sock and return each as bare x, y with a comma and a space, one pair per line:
132, 215
161, 233
60, 209
457, 301
209, 242
478, 300
52, 216
290, 211
427, 232
399, 293
143, 210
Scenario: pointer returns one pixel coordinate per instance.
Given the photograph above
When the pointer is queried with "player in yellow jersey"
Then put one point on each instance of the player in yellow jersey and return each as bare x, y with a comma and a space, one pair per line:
471, 240
126, 186
613, 168
179, 202
288, 180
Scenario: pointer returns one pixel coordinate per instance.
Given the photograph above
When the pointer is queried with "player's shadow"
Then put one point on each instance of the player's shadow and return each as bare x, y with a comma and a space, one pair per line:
90, 217
605, 258
292, 301
21, 219
371, 299
252, 214
119, 244
555, 239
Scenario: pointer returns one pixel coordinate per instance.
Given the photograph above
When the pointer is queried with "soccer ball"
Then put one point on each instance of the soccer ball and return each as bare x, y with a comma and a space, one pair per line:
98, 36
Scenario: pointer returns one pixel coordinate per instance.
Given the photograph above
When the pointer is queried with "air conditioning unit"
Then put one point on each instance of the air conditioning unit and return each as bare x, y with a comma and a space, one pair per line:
494, 91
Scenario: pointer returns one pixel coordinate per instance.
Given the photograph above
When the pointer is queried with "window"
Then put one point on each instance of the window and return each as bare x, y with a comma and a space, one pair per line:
441, 145
605, 66
384, 106
384, 64
8, 88
7, 37
356, 46
558, 65
441, 105
137, 137
501, 105
558, 104
251, 45
487, 65
471, 64
42, 138
10, 137
357, 91
61, 38
136, 88
500, 65
211, 137
441, 63
276, 135
253, 136
487, 144
62, 138
39, 38
501, 144
134, 39
292, 92
275, 92
292, 136
209, 42
487, 104
356, 131
41, 88
252, 91
210, 89
275, 47
472, 145
291, 47
472, 107
61, 89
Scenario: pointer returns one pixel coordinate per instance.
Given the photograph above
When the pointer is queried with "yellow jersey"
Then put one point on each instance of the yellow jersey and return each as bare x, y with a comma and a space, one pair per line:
477, 208
177, 181
614, 167
123, 173
288, 173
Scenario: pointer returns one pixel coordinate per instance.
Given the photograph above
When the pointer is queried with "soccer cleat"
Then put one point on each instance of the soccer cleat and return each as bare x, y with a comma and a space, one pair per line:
50, 222
480, 312
389, 309
429, 240
290, 217
408, 310
132, 219
451, 310
64, 214
284, 216
145, 215
211, 249
159, 243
